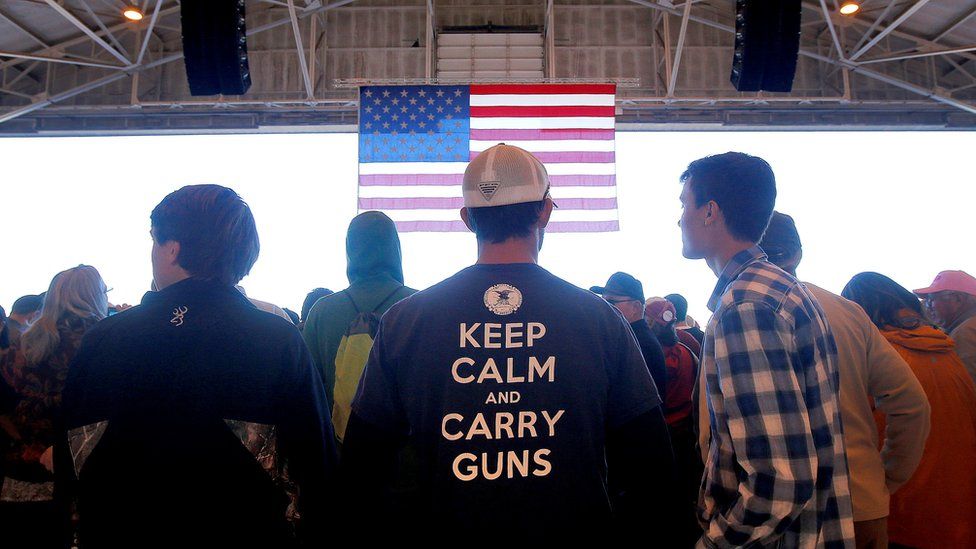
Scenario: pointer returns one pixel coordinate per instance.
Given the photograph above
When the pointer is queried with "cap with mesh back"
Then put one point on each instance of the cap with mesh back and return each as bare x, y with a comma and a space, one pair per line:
504, 175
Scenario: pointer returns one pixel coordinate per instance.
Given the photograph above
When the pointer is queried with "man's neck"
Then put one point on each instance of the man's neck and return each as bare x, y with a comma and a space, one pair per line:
173, 279
724, 254
513, 250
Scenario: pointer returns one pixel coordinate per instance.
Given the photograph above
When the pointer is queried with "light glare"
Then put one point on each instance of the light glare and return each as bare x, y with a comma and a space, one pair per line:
850, 8
132, 14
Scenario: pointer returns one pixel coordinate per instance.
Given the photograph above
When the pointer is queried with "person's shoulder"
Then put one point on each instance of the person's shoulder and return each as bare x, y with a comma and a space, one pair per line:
760, 284
326, 303
968, 325
260, 319
120, 321
835, 306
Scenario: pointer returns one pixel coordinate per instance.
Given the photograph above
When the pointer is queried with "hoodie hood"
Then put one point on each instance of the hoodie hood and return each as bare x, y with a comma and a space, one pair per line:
923, 338
373, 248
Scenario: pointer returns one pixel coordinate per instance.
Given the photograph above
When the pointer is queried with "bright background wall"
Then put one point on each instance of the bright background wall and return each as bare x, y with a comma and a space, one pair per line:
895, 202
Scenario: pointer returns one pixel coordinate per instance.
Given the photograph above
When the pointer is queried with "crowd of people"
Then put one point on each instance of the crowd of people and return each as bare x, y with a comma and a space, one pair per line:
500, 405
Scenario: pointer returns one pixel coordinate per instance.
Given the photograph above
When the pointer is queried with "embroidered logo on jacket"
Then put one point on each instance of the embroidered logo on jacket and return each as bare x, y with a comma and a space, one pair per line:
178, 313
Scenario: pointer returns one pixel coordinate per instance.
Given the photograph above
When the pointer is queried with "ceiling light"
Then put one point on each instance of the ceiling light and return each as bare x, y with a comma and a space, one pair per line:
132, 13
849, 7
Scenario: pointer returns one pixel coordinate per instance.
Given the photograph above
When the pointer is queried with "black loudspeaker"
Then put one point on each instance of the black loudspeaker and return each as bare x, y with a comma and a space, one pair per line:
767, 41
215, 47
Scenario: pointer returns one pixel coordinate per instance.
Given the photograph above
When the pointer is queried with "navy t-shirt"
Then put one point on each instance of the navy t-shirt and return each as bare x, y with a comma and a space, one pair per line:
504, 381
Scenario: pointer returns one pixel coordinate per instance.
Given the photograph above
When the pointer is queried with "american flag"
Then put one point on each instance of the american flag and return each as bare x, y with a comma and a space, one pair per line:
415, 141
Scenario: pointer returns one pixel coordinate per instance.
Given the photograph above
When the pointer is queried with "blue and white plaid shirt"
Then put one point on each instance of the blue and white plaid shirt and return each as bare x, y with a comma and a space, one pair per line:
776, 472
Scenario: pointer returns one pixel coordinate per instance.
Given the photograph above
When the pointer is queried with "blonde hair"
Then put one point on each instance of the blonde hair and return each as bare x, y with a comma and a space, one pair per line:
77, 294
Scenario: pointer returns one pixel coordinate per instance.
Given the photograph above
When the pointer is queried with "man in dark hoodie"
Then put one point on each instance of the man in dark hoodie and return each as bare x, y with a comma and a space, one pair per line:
375, 272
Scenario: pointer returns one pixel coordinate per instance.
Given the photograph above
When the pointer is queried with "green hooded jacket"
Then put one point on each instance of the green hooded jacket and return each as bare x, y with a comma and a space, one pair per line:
375, 271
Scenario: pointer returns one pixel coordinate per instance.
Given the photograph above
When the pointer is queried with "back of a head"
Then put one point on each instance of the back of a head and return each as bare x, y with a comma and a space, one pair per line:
215, 228
26, 305
504, 191
373, 248
884, 300
742, 185
311, 298
781, 241
76, 297
680, 306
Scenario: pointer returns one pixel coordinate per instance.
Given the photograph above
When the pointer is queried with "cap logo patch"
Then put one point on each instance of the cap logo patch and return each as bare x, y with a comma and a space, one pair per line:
488, 189
503, 299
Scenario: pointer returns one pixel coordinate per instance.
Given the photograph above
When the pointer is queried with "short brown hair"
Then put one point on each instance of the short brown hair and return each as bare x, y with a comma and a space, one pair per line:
215, 228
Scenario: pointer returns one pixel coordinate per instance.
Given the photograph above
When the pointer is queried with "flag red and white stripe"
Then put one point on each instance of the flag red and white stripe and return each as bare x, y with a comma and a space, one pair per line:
569, 127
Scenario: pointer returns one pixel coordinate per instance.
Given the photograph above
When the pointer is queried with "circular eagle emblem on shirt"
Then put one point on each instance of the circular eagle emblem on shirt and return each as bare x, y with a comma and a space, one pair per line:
503, 299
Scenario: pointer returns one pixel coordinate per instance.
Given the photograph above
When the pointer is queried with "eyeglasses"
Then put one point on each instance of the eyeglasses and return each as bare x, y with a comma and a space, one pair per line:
615, 301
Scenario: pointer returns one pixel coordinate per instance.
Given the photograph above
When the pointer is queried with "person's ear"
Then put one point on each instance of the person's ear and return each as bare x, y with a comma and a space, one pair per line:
546, 213
466, 219
711, 212
171, 252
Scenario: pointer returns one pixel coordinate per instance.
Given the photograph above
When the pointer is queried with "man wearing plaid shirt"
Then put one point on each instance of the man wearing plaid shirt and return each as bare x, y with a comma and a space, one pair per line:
776, 471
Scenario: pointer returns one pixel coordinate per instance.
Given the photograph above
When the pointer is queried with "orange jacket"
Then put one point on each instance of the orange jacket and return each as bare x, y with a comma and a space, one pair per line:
936, 507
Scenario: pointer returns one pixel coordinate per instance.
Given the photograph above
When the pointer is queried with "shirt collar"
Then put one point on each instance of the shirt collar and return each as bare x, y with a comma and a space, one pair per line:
196, 289
736, 265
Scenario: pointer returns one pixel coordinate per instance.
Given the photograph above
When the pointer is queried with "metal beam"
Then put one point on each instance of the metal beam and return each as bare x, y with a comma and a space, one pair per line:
898, 83
841, 63
874, 25
94, 84
56, 48
429, 41
686, 13
149, 29
957, 67
16, 93
98, 21
550, 22
955, 25
833, 31
897, 33
84, 28
300, 49
919, 4
68, 61
916, 55
10, 20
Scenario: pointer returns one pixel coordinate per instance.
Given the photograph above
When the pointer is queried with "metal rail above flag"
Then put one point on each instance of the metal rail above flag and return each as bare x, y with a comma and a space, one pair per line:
415, 141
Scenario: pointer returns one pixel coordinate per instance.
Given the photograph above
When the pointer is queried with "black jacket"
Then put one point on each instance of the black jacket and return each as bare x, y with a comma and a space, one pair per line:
193, 421
653, 354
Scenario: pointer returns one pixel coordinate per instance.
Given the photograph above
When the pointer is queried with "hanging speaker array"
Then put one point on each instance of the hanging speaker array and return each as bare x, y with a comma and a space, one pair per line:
767, 42
215, 47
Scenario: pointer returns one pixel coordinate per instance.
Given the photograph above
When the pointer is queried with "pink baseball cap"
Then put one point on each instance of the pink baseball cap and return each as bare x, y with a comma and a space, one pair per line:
659, 310
951, 281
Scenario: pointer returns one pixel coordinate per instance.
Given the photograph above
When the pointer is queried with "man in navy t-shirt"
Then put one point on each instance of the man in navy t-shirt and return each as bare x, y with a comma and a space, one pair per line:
505, 401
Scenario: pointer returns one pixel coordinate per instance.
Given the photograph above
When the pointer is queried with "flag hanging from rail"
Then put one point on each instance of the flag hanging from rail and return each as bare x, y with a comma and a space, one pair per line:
415, 141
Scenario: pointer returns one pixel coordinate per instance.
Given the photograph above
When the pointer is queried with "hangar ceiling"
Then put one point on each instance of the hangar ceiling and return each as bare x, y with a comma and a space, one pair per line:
78, 67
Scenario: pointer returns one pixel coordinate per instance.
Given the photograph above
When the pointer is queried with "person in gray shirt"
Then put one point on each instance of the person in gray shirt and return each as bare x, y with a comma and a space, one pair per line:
871, 371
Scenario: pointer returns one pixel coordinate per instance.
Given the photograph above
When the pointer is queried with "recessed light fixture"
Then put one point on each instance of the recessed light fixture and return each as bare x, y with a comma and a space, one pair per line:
849, 8
132, 13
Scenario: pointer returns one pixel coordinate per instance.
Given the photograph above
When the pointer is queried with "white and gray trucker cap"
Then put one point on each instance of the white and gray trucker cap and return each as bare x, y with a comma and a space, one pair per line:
504, 175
